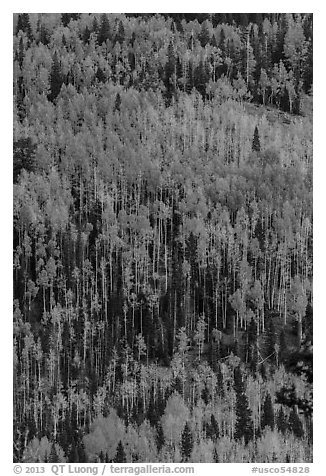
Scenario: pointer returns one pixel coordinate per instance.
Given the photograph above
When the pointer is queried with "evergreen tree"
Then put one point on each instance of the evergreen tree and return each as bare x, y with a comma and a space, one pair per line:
100, 76
95, 26
53, 458
23, 24
56, 79
251, 342
170, 71
120, 36
256, 141
278, 50
213, 41
73, 454
221, 43
44, 35
132, 39
187, 443
24, 156
244, 19
201, 77
190, 78
21, 53
117, 103
190, 44
67, 17
86, 34
104, 30
295, 424
82, 458
244, 424
215, 355
204, 35
308, 69
160, 440
271, 339
214, 428
120, 456
281, 422
268, 413
220, 382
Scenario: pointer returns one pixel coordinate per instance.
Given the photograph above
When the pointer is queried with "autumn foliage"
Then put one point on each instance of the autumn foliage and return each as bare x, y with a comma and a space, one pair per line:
162, 237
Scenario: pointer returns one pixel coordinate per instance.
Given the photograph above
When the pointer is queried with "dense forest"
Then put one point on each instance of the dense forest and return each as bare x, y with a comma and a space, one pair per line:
162, 255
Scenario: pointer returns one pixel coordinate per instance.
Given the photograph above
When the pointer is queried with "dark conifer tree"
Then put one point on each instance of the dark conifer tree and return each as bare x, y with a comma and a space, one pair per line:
295, 424
220, 382
187, 443
213, 41
100, 76
271, 339
53, 457
244, 424
205, 395
95, 26
160, 440
21, 53
190, 78
23, 24
120, 36
67, 17
178, 69
24, 156
44, 35
204, 35
214, 427
251, 347
81, 451
221, 43
117, 103
262, 370
56, 79
215, 456
308, 69
120, 456
104, 30
256, 141
86, 35
236, 348
215, 355
191, 42
278, 52
281, 422
170, 72
268, 413
73, 454
133, 39
283, 344
244, 20
201, 77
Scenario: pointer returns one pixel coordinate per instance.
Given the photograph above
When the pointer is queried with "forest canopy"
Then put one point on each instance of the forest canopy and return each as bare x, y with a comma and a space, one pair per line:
162, 266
